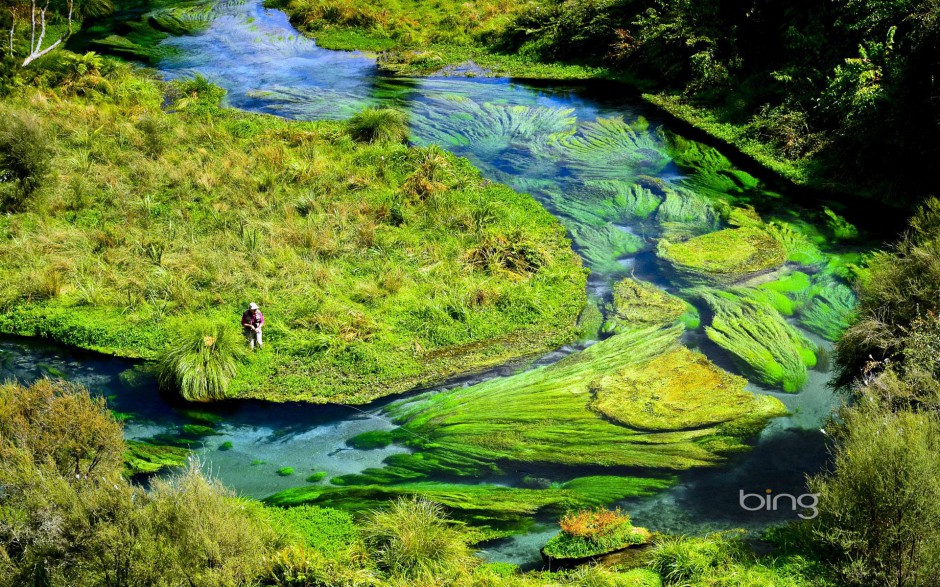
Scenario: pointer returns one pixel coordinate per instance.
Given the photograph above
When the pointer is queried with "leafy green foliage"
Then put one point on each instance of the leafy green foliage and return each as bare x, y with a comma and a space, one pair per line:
878, 505
25, 157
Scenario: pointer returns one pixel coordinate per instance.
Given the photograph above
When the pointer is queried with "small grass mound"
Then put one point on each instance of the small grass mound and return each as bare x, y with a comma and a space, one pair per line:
201, 361
588, 533
285, 471
679, 390
641, 304
379, 125
725, 256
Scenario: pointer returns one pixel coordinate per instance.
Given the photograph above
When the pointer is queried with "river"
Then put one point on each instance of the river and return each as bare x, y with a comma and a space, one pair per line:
501, 125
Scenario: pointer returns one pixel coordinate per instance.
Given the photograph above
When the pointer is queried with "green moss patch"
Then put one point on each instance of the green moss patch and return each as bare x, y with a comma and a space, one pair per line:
725, 256
327, 530
678, 390
638, 304
285, 471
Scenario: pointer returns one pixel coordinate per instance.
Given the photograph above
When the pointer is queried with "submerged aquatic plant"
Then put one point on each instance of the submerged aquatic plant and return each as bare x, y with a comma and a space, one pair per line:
379, 125
758, 335
488, 128
544, 416
681, 389
829, 311
638, 304
603, 246
724, 257
612, 148
200, 361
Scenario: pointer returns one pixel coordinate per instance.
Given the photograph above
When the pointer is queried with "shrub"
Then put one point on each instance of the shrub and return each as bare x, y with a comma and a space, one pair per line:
379, 125
201, 361
24, 156
413, 540
880, 505
60, 424
285, 471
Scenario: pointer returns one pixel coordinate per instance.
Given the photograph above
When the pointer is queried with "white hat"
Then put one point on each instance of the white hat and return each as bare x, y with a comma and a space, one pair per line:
252, 306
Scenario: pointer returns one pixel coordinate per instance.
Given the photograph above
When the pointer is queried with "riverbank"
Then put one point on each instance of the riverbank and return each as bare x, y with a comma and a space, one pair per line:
379, 267
795, 144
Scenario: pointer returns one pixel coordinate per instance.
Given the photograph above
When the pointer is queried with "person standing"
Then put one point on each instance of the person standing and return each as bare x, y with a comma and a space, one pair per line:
252, 321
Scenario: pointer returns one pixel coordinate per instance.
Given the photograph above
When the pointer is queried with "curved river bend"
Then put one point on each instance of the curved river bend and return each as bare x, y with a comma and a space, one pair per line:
266, 66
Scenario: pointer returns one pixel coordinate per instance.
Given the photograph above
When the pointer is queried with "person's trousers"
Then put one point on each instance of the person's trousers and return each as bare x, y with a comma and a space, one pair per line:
253, 337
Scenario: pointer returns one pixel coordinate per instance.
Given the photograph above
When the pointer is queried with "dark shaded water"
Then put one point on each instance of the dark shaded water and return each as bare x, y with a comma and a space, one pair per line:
509, 130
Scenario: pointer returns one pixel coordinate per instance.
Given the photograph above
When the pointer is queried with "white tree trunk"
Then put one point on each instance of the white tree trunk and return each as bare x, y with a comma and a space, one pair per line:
35, 45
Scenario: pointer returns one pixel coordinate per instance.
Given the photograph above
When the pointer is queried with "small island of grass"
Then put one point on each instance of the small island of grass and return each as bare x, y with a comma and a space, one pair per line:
590, 533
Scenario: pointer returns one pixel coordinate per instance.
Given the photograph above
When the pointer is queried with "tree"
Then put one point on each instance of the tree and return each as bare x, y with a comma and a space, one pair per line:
33, 17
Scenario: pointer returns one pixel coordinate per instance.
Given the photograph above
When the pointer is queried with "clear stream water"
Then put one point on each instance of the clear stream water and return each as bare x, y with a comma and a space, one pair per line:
266, 66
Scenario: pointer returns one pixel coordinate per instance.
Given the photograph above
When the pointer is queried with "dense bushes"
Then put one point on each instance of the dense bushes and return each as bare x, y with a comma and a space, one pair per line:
879, 509
24, 158
69, 518
879, 505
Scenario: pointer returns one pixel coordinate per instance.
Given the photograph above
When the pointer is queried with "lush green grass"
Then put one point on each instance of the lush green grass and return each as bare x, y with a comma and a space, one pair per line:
326, 530
374, 268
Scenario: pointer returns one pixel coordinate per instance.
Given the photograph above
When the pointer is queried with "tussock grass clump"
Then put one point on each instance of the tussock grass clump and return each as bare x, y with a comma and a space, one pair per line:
25, 158
725, 256
201, 361
756, 334
379, 125
681, 389
413, 540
